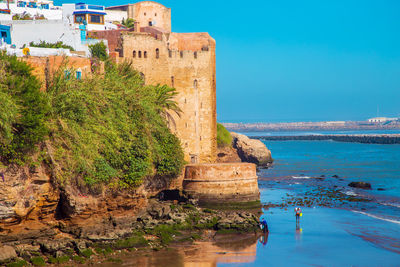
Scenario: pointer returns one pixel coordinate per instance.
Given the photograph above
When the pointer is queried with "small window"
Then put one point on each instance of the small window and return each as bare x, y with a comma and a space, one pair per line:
97, 19
140, 54
155, 14
195, 54
150, 23
172, 81
169, 53
67, 74
134, 53
78, 75
80, 18
181, 53
145, 54
157, 53
145, 13
193, 159
195, 84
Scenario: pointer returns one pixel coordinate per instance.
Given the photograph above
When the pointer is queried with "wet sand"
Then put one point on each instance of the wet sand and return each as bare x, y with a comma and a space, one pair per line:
328, 237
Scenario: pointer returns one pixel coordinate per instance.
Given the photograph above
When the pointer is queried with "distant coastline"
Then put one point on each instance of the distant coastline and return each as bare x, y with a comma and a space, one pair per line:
313, 126
353, 138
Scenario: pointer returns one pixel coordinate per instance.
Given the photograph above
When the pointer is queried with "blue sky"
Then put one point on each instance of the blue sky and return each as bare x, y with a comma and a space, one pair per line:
292, 60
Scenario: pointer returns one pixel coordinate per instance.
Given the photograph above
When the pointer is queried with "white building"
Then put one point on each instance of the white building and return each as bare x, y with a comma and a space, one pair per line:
68, 24
381, 119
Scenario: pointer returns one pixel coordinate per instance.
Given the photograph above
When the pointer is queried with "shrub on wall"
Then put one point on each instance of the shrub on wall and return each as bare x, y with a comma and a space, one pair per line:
106, 129
44, 44
99, 51
224, 137
111, 130
23, 110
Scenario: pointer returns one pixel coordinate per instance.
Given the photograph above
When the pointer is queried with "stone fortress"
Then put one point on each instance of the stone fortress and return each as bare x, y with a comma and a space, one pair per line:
185, 61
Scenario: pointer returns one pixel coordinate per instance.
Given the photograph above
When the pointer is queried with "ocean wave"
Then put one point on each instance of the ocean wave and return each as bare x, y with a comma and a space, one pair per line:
301, 177
350, 193
377, 217
397, 205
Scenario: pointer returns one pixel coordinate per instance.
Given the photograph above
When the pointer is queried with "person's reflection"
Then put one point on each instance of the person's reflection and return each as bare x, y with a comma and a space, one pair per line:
264, 238
298, 231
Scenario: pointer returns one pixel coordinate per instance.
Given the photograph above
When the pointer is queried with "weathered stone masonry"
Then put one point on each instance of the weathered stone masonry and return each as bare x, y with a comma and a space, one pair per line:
185, 61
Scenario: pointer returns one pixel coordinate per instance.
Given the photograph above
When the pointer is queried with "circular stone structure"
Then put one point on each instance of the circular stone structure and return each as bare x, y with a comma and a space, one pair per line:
222, 183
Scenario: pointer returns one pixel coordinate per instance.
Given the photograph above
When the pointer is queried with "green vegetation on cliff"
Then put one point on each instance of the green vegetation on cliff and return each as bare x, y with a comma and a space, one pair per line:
107, 129
224, 137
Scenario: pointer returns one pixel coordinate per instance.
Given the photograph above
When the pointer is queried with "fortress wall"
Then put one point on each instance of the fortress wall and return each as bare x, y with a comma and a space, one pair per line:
227, 182
42, 65
146, 11
192, 73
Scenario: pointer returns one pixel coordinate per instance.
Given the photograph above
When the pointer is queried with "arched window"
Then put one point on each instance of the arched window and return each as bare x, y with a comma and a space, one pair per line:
140, 54
172, 81
195, 83
155, 14
134, 53
195, 54
145, 13
157, 53
145, 54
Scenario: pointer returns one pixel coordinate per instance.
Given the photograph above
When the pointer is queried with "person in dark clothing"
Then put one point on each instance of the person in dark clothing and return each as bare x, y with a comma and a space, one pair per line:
264, 226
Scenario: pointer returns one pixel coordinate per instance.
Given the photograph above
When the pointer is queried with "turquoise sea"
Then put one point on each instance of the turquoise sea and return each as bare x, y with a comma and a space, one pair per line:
355, 234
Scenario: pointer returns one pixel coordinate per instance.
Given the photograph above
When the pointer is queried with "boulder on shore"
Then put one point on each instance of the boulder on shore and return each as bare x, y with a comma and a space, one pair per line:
7, 253
362, 185
251, 150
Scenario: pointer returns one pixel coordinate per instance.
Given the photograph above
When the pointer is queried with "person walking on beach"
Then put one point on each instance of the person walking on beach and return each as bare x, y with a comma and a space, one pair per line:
264, 226
297, 212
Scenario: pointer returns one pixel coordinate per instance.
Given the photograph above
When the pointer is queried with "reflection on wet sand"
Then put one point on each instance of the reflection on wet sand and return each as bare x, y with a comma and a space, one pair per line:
224, 249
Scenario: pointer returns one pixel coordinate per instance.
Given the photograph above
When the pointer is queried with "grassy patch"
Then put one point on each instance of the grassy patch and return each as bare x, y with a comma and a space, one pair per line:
86, 253
224, 137
38, 261
79, 259
136, 240
59, 260
250, 205
19, 263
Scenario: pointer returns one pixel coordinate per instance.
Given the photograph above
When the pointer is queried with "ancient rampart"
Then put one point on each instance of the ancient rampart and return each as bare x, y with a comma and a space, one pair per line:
222, 183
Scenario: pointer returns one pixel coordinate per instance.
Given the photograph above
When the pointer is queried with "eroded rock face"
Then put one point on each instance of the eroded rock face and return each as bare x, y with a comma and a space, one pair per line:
26, 191
251, 150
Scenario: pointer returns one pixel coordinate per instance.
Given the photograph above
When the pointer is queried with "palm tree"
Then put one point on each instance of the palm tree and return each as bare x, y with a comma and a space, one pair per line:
164, 100
128, 23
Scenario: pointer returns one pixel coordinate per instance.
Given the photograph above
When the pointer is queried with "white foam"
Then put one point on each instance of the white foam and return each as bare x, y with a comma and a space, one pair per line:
376, 217
350, 193
301, 177
397, 205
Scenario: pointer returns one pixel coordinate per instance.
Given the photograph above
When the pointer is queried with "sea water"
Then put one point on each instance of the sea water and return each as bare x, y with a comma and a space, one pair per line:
361, 234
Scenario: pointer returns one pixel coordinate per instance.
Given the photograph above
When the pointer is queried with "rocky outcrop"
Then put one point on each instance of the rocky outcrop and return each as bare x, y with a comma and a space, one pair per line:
7, 253
227, 155
362, 185
251, 150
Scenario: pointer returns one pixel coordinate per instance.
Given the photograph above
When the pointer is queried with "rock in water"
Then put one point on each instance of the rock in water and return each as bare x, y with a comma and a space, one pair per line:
362, 185
251, 150
7, 253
